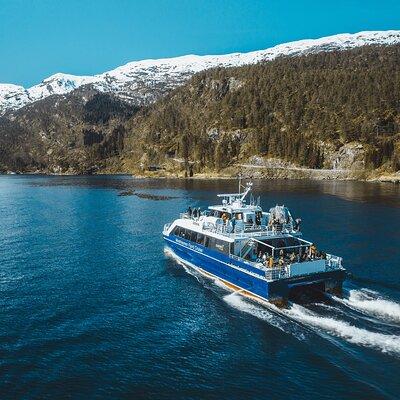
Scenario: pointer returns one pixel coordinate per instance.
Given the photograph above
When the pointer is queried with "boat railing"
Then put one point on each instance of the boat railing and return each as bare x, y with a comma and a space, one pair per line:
248, 229
333, 262
240, 229
269, 273
277, 273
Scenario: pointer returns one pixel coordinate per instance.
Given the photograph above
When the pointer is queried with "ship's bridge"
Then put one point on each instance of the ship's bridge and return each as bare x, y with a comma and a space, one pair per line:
234, 207
234, 216
248, 214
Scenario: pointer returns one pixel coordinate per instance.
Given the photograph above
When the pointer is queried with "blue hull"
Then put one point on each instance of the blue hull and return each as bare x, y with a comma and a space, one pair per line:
241, 276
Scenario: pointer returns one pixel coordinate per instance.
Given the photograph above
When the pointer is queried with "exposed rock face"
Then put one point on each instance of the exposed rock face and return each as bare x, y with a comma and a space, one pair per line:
350, 156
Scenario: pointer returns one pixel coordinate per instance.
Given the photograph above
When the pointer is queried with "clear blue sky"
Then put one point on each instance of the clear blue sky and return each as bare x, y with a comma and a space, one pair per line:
41, 37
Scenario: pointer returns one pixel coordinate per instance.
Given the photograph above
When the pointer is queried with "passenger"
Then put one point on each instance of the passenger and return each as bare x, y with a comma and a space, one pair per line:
270, 262
189, 212
194, 213
276, 226
224, 217
259, 259
264, 258
233, 222
281, 261
281, 253
313, 251
297, 223
293, 257
199, 212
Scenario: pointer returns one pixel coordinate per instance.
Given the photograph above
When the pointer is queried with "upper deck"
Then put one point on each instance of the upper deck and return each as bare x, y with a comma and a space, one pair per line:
239, 230
236, 218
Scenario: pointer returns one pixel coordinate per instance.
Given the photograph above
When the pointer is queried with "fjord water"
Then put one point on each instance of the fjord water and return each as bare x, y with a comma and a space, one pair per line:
93, 306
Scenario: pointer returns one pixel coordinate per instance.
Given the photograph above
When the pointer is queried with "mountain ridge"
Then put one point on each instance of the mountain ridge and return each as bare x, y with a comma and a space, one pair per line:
143, 82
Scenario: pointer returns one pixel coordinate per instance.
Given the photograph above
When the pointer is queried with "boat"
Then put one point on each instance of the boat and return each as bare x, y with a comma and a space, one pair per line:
257, 254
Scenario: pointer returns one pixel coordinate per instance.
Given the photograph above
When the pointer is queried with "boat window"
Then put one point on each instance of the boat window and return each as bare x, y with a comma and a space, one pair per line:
182, 233
200, 238
239, 216
249, 218
219, 245
177, 231
223, 246
193, 236
207, 241
258, 217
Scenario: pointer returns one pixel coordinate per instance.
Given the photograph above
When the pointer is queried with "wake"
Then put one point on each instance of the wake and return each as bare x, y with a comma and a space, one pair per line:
296, 319
370, 303
266, 312
384, 342
322, 325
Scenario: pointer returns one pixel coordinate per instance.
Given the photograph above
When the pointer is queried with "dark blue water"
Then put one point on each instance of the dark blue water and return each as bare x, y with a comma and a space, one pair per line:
91, 305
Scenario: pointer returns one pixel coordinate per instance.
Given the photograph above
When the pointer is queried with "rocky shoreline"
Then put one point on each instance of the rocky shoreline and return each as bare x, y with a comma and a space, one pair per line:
289, 172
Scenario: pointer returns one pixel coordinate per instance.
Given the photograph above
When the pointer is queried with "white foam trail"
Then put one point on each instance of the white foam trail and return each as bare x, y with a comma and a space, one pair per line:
188, 267
240, 303
362, 301
236, 300
342, 329
192, 269
363, 337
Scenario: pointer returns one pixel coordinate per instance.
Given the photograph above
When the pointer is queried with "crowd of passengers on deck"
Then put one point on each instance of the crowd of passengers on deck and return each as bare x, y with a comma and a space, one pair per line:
310, 253
278, 258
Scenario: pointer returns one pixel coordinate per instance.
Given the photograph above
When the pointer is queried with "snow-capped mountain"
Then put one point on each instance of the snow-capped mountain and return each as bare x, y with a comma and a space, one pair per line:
142, 82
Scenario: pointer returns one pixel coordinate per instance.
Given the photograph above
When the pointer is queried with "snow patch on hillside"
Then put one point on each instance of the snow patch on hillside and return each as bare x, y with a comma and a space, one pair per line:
143, 81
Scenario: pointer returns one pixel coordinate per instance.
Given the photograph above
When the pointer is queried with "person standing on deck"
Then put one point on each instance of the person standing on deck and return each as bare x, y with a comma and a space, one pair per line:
313, 251
233, 222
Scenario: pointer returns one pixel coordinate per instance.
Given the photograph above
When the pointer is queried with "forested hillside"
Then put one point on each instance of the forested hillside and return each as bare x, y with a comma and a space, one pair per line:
301, 109
334, 110
71, 134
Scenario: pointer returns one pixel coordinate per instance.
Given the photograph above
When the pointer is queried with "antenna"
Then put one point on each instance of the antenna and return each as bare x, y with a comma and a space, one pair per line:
240, 181
248, 189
